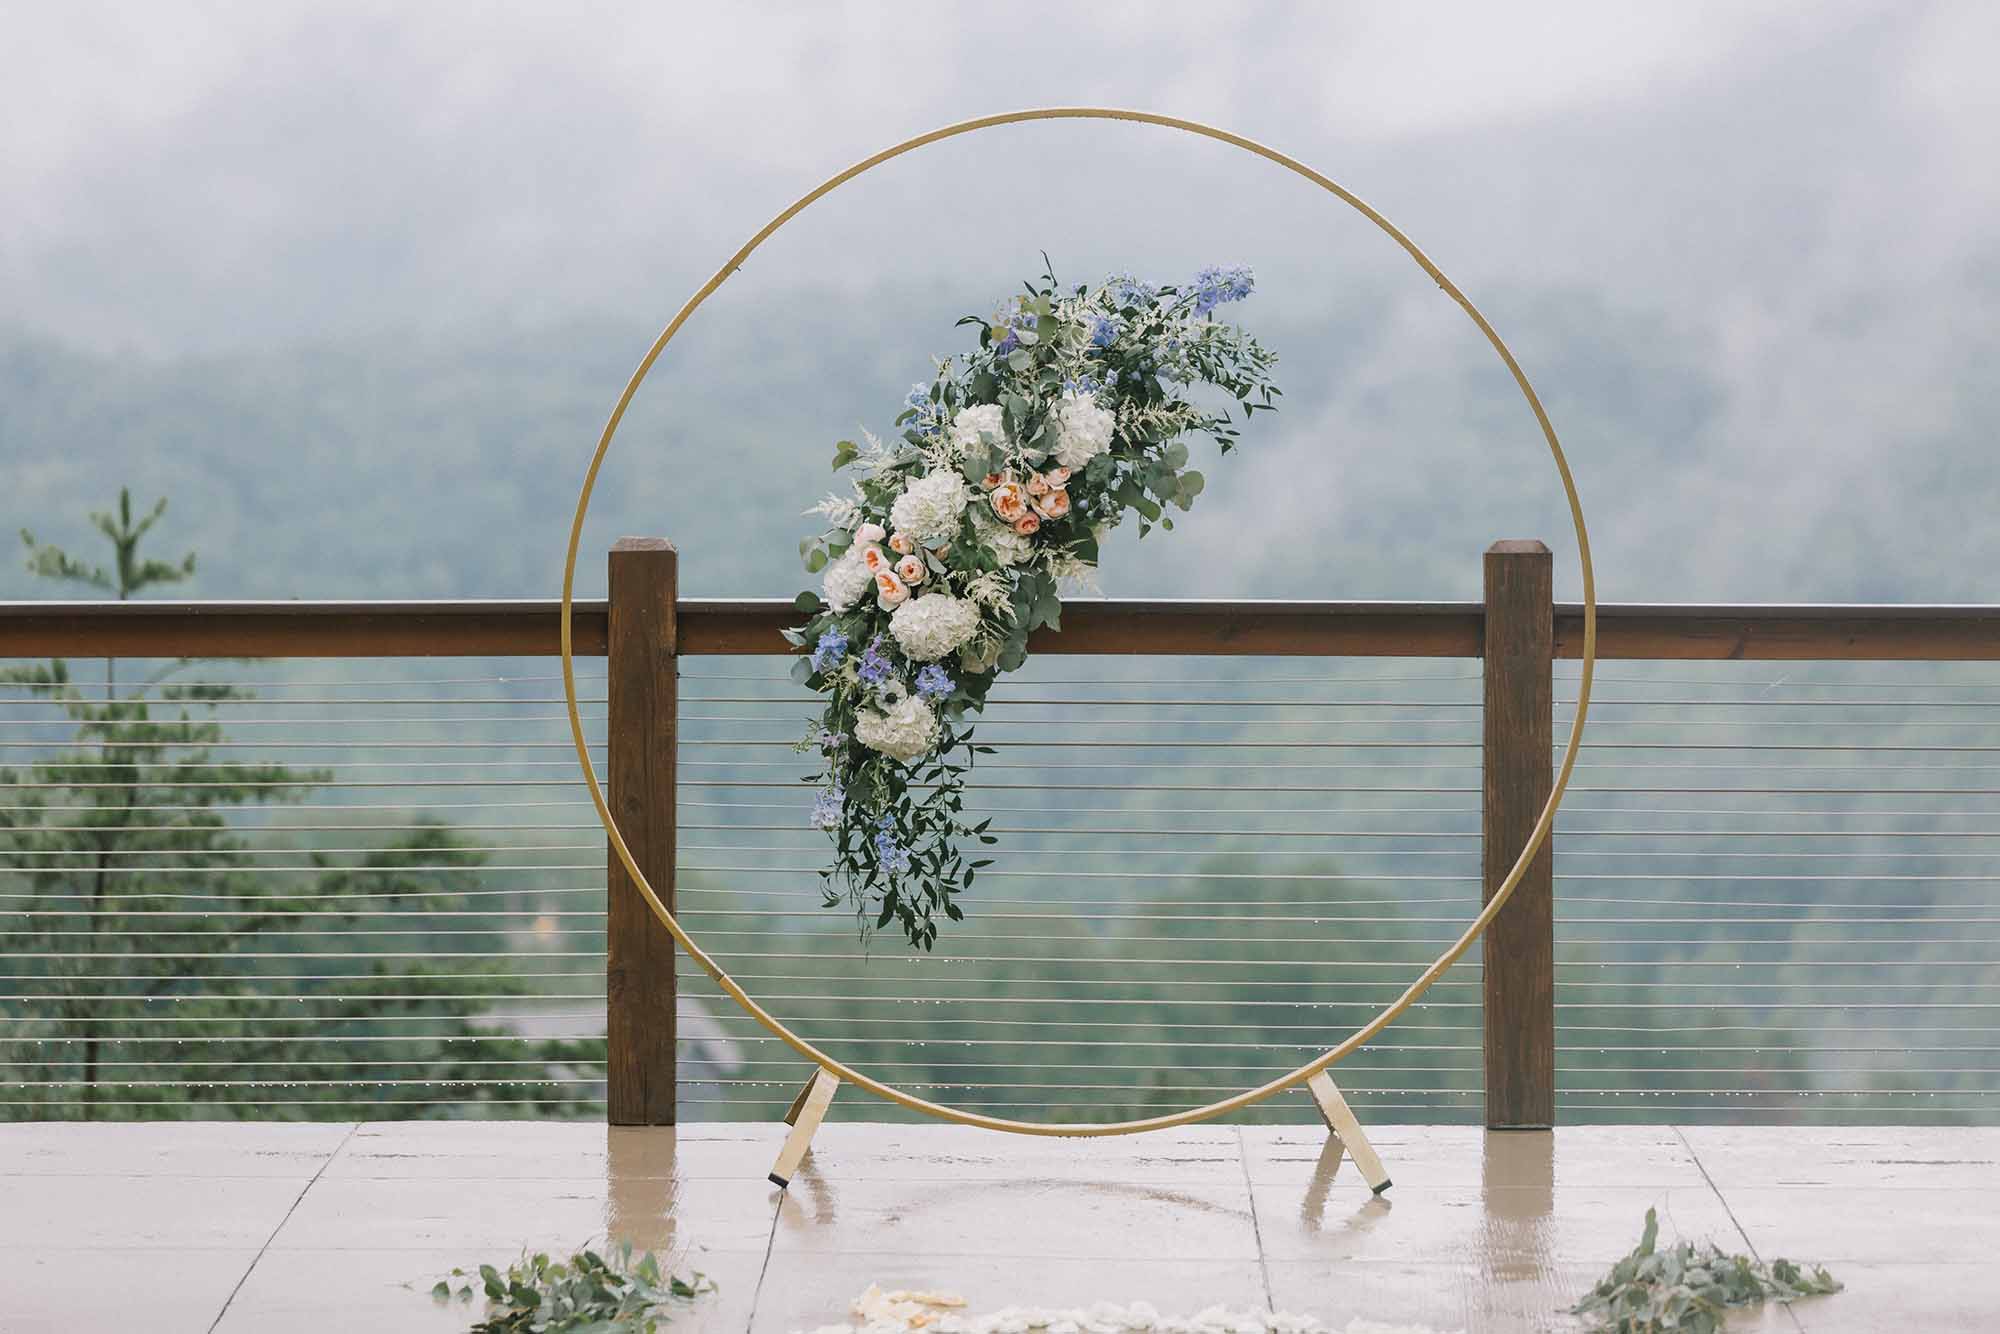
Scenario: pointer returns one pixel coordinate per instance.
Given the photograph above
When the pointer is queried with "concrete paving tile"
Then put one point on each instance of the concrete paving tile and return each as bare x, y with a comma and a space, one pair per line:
127, 1212
1191, 1155
1910, 1224
1030, 1218
1471, 1156
807, 1291
169, 1148
75, 1288
1882, 1297
1508, 1231
509, 1214
580, 1152
388, 1291
1950, 1156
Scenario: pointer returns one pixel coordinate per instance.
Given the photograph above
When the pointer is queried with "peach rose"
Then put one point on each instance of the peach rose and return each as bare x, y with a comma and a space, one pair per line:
1037, 486
1028, 524
1054, 505
902, 544
990, 480
890, 590
910, 569
1057, 477
874, 559
870, 532
1009, 501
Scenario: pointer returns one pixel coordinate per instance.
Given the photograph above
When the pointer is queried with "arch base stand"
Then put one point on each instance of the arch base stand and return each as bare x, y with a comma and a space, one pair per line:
808, 1110
1346, 1131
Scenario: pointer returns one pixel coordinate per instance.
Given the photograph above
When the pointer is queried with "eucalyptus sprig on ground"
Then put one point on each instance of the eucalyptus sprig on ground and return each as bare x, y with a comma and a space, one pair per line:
1689, 1288
586, 1292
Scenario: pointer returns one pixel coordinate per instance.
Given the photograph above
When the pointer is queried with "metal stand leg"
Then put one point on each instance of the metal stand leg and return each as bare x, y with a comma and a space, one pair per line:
808, 1110
1346, 1131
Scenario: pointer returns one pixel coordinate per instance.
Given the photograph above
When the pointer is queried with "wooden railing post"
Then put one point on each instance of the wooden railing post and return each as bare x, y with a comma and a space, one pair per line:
1519, 948
641, 738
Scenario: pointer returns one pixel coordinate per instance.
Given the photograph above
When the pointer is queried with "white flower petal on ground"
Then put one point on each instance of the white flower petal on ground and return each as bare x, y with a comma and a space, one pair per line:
905, 1312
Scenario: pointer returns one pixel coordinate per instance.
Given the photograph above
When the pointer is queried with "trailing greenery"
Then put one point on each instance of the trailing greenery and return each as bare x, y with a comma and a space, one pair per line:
584, 1294
1689, 1288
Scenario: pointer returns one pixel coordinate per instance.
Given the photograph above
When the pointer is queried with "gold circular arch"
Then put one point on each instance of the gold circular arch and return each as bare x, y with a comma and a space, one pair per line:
1424, 980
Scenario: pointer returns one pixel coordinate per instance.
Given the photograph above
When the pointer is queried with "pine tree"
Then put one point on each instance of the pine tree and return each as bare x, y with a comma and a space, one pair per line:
152, 969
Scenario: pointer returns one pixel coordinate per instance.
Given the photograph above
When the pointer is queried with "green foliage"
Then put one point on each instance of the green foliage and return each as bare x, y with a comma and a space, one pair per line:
1689, 1288
129, 574
538, 1295
156, 959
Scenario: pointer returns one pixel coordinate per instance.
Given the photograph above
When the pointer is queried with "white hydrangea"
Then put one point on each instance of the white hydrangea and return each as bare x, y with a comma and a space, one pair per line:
903, 729
973, 422
1083, 430
1007, 546
846, 581
929, 507
927, 628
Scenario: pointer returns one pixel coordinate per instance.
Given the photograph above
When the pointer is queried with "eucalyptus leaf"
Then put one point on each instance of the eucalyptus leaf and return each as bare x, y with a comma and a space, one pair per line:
1689, 1287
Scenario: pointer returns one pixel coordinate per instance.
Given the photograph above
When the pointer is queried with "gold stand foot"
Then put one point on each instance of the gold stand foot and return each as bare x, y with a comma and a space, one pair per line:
808, 1110
1346, 1131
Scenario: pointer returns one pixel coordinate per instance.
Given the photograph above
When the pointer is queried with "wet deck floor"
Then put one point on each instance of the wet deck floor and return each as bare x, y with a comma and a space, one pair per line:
250, 1227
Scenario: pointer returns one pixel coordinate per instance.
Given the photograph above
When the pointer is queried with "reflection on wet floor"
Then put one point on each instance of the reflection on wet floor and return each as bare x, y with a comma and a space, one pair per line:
1481, 1230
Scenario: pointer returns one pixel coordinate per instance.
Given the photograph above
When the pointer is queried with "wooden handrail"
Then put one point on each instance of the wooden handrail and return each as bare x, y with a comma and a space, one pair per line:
529, 628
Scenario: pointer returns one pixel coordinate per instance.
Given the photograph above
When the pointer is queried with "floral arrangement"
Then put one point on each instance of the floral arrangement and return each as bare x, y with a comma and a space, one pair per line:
1013, 463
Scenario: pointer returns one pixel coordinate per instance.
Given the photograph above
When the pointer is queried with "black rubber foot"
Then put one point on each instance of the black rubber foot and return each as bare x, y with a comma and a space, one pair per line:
1378, 1190
780, 1182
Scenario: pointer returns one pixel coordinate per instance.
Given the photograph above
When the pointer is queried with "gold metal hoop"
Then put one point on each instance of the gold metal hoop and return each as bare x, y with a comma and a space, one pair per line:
1424, 980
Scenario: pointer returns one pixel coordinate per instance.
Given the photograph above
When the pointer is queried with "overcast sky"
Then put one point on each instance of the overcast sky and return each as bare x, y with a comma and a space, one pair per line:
1777, 223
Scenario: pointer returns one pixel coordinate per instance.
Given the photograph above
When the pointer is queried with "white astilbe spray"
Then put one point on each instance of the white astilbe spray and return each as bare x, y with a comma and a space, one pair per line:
994, 592
840, 511
1076, 575
1163, 421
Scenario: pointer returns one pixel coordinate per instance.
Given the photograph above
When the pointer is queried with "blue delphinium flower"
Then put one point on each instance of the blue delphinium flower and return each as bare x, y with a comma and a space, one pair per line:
830, 649
1129, 291
933, 682
1021, 318
1214, 286
826, 808
894, 857
875, 666
930, 416
1103, 331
